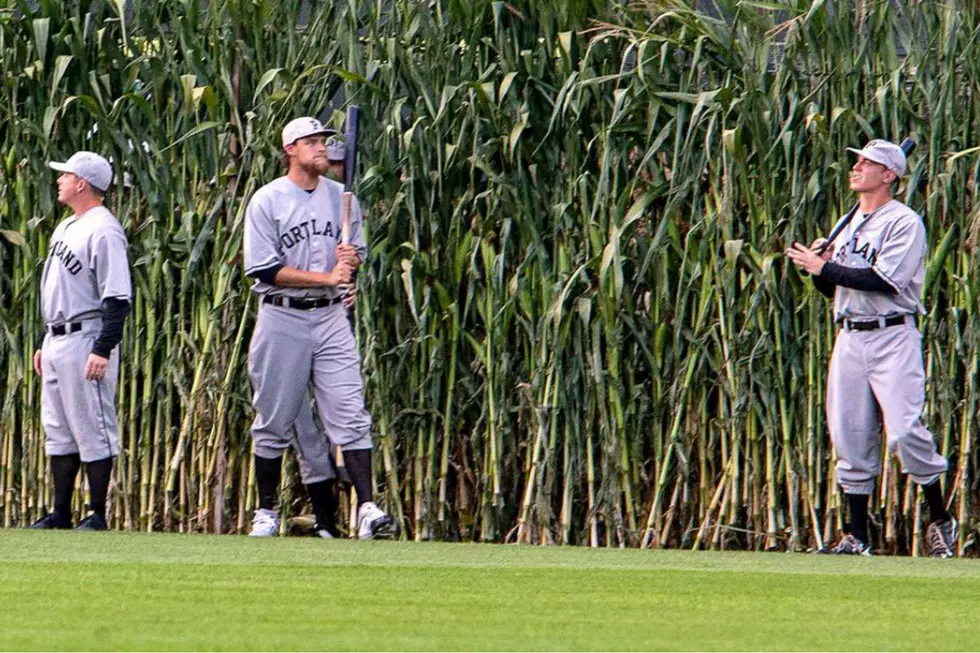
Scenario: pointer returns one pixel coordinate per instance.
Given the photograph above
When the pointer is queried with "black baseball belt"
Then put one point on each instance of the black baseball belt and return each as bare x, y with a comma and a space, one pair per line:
880, 323
300, 303
64, 329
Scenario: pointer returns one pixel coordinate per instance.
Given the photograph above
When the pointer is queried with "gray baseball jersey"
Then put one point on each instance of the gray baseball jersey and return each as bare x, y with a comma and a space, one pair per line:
294, 347
877, 377
87, 263
892, 240
287, 225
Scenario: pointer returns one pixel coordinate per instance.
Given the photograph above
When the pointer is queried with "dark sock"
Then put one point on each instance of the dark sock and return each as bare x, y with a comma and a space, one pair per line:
64, 471
325, 504
858, 504
268, 471
937, 507
358, 462
99, 472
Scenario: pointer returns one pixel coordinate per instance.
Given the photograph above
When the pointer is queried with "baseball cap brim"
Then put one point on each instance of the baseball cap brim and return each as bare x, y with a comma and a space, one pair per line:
314, 133
870, 156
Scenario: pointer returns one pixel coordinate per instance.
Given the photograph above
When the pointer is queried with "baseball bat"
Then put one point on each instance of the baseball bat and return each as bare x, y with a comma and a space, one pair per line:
350, 166
908, 146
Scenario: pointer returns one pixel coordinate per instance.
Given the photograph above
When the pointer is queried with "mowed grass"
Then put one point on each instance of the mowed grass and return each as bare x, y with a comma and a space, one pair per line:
108, 591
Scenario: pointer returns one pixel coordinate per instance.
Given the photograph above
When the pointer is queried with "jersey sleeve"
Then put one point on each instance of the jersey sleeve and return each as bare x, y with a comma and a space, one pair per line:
260, 242
111, 265
357, 229
902, 251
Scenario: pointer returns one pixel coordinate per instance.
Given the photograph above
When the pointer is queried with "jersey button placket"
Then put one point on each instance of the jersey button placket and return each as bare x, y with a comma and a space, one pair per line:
317, 254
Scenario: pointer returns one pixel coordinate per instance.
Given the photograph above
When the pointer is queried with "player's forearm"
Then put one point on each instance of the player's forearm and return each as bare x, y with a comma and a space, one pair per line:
825, 287
864, 279
114, 312
288, 277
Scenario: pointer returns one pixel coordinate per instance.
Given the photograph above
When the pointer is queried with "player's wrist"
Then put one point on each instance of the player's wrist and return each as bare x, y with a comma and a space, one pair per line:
101, 350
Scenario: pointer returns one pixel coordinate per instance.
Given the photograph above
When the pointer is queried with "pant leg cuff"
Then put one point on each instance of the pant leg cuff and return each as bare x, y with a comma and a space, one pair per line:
60, 450
319, 478
93, 455
358, 444
924, 480
270, 453
849, 487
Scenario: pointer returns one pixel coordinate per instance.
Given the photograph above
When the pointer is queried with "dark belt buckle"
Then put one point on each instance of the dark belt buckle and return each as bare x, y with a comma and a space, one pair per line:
863, 326
64, 329
871, 325
300, 304
311, 304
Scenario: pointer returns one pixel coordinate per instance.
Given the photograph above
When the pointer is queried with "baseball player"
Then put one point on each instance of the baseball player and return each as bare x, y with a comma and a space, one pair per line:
85, 298
336, 153
875, 274
293, 251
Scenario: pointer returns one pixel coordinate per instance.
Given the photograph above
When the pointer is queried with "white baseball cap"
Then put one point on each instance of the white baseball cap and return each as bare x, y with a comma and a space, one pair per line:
89, 166
336, 150
301, 128
884, 152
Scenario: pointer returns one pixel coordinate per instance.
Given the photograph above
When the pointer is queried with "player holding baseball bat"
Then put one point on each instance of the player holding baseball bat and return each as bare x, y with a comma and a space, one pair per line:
875, 273
303, 242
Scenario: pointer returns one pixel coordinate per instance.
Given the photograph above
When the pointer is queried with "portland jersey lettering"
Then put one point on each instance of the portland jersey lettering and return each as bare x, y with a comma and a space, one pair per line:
307, 229
60, 251
892, 241
86, 263
288, 226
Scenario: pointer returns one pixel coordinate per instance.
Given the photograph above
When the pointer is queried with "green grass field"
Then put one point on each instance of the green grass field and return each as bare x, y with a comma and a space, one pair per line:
107, 591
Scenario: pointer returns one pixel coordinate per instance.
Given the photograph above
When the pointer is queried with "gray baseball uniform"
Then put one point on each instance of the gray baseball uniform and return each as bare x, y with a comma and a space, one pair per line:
86, 264
289, 226
877, 375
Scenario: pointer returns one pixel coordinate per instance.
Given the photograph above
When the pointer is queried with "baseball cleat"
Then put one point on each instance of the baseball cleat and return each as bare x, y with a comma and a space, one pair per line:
93, 522
265, 523
941, 538
848, 545
374, 523
53, 520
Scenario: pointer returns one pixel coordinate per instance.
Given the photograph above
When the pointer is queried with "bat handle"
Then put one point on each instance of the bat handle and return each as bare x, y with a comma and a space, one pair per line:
345, 220
345, 233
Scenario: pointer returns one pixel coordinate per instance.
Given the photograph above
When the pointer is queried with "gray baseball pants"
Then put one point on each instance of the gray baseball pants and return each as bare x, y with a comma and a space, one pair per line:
79, 416
289, 348
878, 376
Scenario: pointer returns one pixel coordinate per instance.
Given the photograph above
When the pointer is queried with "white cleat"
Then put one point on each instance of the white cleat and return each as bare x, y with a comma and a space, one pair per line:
321, 532
265, 523
373, 523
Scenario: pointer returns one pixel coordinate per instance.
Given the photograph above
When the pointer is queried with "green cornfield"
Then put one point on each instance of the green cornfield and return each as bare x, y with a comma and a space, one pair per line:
576, 323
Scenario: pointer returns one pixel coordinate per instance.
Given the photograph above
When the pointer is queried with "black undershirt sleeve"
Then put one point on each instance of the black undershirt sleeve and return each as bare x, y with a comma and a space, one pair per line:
825, 287
268, 275
114, 312
865, 279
